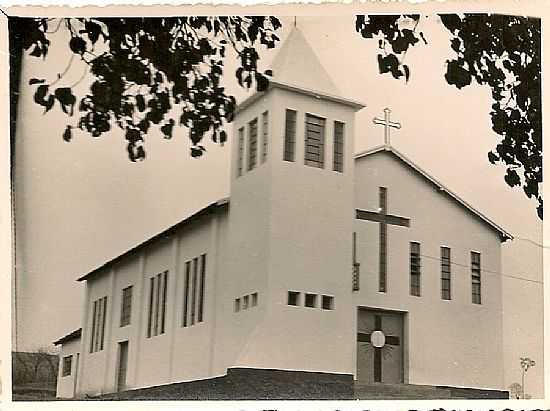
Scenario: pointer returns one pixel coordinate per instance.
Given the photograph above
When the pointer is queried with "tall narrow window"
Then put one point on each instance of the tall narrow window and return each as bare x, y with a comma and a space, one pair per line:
97, 340
201, 288
338, 154
383, 231
150, 311
315, 141
415, 269
157, 304
126, 306
194, 290
94, 316
252, 143
290, 135
163, 304
240, 154
186, 293
476, 277
265, 135
445, 273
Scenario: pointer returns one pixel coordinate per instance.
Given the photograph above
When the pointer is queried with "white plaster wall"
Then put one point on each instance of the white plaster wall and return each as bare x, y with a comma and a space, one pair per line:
247, 251
449, 342
310, 224
66, 384
180, 353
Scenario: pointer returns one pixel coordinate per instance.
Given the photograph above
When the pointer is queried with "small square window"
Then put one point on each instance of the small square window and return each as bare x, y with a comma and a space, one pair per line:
245, 302
293, 298
237, 305
311, 300
254, 299
327, 302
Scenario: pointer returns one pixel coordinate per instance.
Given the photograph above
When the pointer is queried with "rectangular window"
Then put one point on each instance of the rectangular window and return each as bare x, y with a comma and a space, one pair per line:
327, 302
67, 365
415, 269
315, 141
290, 135
126, 308
338, 150
237, 305
293, 298
194, 290
186, 293
245, 302
311, 300
254, 299
476, 277
445, 273
265, 135
240, 154
98, 325
157, 304
201, 288
150, 311
252, 143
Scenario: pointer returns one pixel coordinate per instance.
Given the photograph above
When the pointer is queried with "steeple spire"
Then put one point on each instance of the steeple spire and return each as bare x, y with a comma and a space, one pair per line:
297, 65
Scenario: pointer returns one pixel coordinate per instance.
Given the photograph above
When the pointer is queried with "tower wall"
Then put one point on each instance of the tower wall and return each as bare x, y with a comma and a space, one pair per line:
302, 220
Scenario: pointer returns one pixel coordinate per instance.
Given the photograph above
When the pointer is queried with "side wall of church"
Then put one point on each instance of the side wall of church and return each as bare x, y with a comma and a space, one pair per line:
65, 383
447, 342
177, 354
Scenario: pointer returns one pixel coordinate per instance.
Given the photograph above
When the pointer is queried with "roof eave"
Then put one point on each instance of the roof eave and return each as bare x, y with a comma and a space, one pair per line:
222, 203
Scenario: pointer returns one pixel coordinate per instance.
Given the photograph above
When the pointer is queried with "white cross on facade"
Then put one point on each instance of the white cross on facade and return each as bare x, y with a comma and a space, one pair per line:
387, 124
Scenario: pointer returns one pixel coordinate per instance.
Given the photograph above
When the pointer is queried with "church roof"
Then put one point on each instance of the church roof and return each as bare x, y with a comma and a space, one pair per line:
504, 235
76, 334
209, 209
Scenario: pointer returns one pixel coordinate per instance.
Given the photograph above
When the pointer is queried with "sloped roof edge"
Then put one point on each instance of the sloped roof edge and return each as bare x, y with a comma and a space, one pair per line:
504, 235
224, 202
76, 334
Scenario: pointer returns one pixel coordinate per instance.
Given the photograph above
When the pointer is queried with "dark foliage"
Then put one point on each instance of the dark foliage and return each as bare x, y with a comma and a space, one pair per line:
152, 72
502, 52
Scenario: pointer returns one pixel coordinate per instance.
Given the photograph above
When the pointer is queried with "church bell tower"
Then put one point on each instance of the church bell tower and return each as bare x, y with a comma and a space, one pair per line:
291, 222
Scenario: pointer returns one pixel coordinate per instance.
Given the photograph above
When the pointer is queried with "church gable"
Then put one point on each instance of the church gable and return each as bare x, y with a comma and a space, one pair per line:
397, 159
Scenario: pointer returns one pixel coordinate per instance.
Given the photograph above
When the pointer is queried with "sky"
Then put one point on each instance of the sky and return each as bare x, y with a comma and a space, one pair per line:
82, 203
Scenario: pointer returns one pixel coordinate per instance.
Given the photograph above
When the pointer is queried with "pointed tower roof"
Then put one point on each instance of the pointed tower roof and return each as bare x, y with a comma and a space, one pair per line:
296, 64
298, 69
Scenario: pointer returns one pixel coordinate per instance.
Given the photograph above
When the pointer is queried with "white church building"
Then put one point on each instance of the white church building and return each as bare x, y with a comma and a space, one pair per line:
321, 262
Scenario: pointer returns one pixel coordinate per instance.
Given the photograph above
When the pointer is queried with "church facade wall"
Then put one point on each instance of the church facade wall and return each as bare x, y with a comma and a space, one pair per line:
448, 342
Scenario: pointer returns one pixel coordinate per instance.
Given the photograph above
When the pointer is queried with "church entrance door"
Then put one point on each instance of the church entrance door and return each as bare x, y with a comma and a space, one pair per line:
379, 347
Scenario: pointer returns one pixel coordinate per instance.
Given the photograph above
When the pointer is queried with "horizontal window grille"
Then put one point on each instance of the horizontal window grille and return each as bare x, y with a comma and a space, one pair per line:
265, 135
338, 154
415, 269
252, 143
445, 273
314, 141
240, 154
476, 277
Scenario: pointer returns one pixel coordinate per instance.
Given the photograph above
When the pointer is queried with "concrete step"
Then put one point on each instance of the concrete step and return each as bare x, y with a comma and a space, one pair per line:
399, 391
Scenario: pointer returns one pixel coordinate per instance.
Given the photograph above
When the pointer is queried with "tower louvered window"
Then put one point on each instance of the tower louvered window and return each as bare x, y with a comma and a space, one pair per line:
290, 135
315, 141
338, 152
